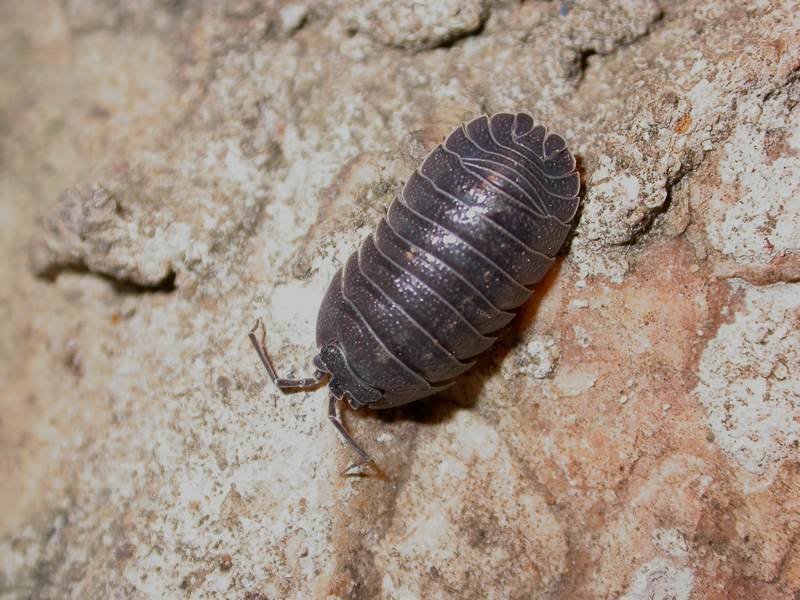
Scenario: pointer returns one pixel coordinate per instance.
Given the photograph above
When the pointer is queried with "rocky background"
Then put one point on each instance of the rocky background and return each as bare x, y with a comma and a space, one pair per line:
172, 170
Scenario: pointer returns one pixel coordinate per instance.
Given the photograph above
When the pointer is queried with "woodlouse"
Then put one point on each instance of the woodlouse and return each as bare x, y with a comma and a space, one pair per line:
474, 227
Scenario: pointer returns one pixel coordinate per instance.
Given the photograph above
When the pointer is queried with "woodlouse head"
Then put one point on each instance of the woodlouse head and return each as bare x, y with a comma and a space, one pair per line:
344, 381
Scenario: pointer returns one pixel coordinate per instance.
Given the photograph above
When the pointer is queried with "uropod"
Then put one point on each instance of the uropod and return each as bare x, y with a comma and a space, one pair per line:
474, 228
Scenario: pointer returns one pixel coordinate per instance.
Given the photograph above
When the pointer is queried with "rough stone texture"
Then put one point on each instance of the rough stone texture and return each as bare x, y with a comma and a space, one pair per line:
750, 378
87, 228
749, 194
412, 24
635, 432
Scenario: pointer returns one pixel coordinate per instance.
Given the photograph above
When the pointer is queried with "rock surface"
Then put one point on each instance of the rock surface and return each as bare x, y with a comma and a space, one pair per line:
170, 171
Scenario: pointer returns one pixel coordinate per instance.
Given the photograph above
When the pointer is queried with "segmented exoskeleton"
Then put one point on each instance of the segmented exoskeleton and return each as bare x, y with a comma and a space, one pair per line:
474, 228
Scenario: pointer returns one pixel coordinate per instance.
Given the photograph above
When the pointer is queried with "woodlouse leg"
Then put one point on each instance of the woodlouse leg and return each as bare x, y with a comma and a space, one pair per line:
336, 418
282, 382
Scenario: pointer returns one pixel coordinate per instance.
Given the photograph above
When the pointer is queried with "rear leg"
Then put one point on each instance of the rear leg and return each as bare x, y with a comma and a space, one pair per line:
336, 418
259, 343
257, 336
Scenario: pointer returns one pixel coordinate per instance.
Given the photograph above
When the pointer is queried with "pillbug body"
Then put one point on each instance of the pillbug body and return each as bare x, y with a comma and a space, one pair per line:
474, 228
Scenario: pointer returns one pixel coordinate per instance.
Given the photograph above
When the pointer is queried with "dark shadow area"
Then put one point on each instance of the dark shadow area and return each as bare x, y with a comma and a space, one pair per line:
584, 58
580, 167
455, 39
467, 388
649, 224
121, 286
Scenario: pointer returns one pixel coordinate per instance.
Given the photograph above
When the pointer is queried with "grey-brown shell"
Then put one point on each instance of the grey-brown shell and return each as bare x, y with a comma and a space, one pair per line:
474, 228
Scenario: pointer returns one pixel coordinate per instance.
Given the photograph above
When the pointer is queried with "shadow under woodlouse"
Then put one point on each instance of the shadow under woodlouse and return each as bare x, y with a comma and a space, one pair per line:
467, 391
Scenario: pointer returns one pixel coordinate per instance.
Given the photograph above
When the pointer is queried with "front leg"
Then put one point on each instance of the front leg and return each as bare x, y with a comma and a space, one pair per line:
303, 383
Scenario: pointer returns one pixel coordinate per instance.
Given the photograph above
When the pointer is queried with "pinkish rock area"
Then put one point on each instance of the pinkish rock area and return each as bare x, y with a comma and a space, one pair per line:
171, 170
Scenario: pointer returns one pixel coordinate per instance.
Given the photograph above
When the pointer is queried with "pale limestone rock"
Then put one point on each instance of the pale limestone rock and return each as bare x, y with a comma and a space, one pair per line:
87, 228
660, 579
750, 379
418, 25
